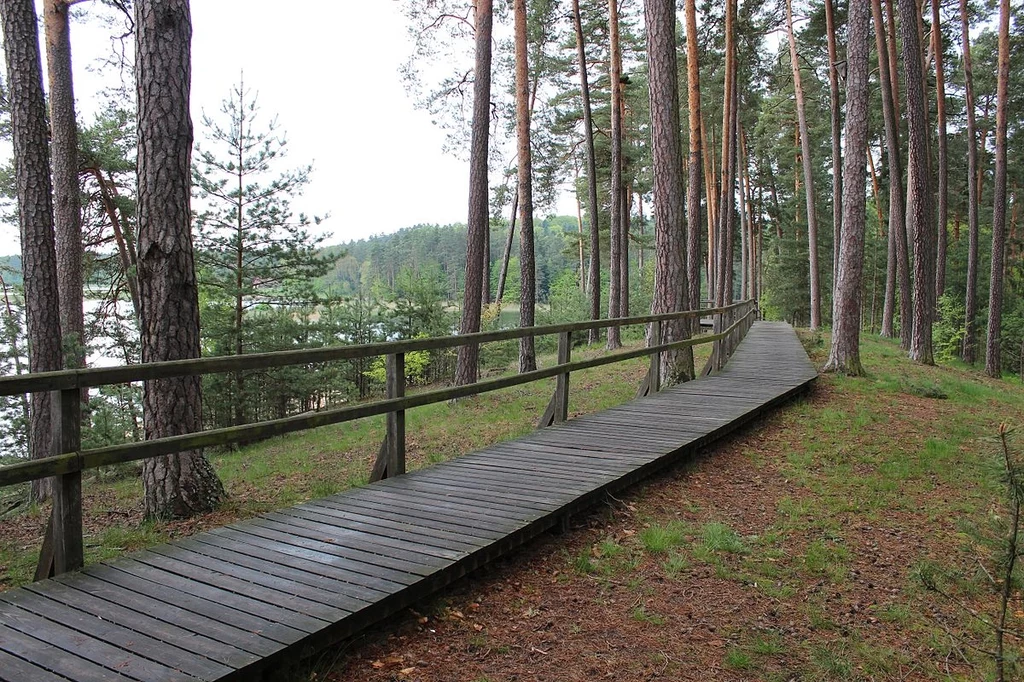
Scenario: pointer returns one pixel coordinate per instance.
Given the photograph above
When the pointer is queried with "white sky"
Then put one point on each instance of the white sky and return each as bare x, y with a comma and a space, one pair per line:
329, 71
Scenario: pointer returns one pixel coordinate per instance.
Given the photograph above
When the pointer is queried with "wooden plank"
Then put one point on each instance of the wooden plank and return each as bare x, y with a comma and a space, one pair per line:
356, 560
408, 549
300, 569
369, 575
85, 647
425, 515
423, 534
444, 548
183, 612
153, 584
138, 643
14, 669
320, 603
322, 539
48, 657
212, 649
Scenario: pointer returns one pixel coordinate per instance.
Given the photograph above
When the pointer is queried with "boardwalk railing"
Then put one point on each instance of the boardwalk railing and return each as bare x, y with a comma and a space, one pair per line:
63, 549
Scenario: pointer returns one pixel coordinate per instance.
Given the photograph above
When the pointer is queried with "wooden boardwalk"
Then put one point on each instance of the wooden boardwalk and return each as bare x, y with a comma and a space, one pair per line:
229, 603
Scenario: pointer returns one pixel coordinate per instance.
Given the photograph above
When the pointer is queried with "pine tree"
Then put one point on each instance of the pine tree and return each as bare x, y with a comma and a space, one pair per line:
253, 251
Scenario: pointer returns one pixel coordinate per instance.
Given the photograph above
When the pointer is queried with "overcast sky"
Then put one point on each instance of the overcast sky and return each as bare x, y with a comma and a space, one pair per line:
329, 71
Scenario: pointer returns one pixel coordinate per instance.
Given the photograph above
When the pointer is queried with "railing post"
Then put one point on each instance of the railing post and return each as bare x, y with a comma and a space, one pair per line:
562, 381
654, 373
66, 429
719, 347
395, 365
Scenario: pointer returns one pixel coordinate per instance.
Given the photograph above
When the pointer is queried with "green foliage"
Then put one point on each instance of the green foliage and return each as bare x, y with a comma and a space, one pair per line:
949, 329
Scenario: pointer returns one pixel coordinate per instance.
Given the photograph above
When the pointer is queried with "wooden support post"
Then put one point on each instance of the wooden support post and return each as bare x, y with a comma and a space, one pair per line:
66, 418
654, 372
395, 365
719, 348
562, 381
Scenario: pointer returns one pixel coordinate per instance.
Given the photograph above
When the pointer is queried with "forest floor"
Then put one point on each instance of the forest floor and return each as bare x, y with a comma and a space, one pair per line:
793, 550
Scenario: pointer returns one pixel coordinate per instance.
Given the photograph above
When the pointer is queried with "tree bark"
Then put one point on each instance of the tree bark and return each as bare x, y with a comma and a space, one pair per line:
805, 153
527, 266
727, 188
183, 484
897, 281
943, 158
615, 185
670, 280
594, 276
993, 363
920, 218
66, 204
627, 208
35, 212
969, 350
837, 150
844, 355
694, 166
466, 368
506, 255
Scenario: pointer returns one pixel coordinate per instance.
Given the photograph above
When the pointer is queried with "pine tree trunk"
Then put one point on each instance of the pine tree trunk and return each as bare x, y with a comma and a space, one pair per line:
594, 276
726, 197
183, 484
837, 150
943, 198
898, 263
694, 166
805, 153
506, 255
615, 185
969, 349
710, 197
670, 280
627, 209
844, 355
993, 363
527, 270
66, 204
920, 216
466, 368
29, 137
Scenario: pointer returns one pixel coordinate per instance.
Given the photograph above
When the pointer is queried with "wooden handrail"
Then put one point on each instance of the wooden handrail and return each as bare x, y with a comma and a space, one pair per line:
103, 376
66, 465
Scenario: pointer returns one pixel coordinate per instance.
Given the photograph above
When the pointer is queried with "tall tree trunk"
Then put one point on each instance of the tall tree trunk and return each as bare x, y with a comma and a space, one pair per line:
527, 266
920, 218
837, 150
66, 204
727, 196
993, 364
615, 186
506, 255
805, 153
670, 280
35, 212
468, 356
943, 199
710, 197
898, 264
579, 243
627, 208
594, 276
969, 350
183, 484
844, 355
693, 185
